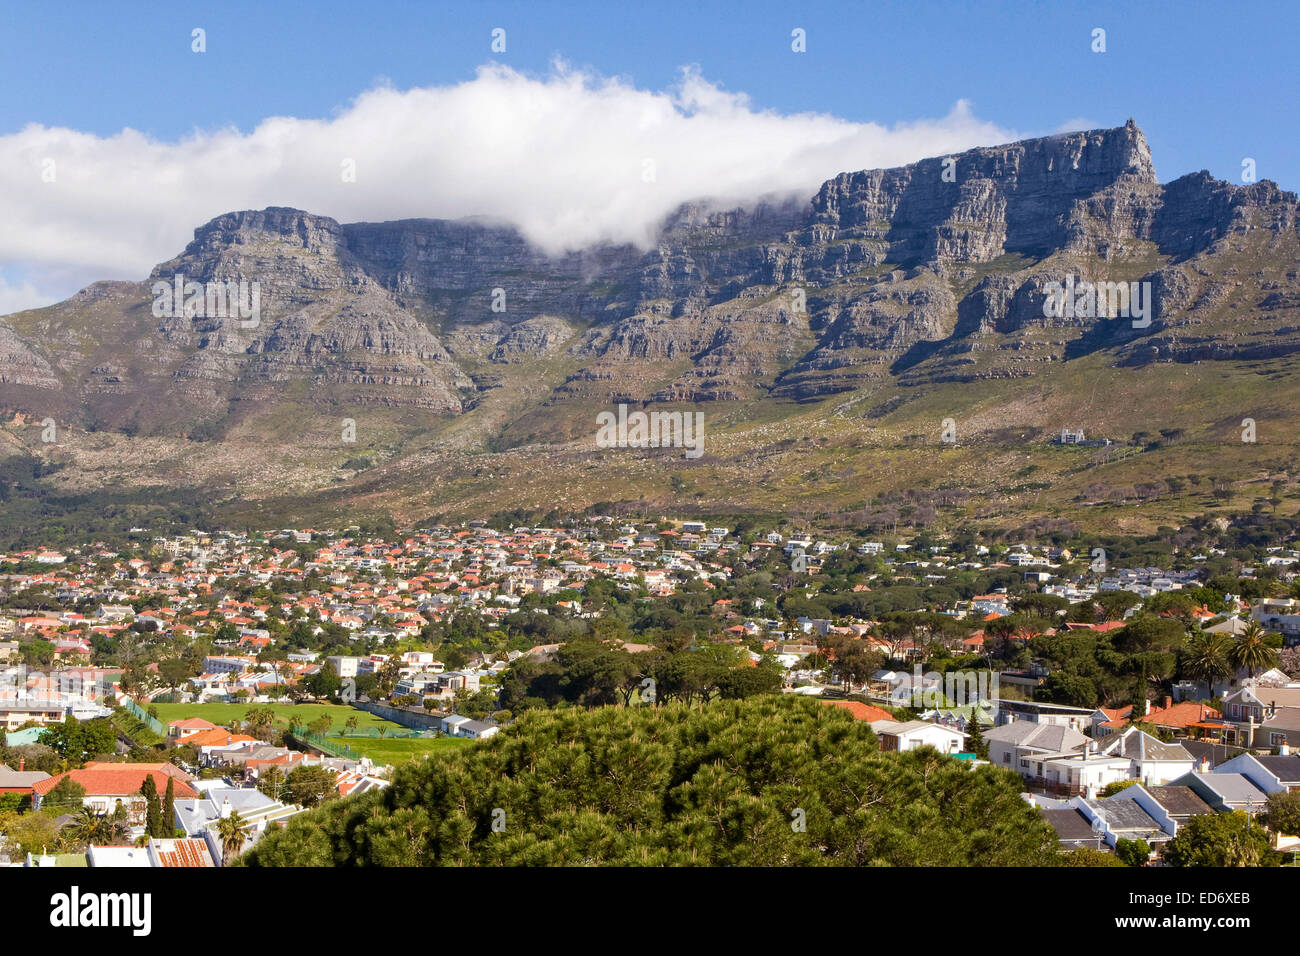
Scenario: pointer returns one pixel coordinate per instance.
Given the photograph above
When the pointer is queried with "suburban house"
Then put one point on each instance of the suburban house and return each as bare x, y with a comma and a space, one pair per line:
1179, 804
1010, 743
198, 817
1209, 753
1271, 773
107, 784
157, 853
1073, 829
457, 725
1135, 817
1084, 772
1086, 767
1075, 718
1281, 728
1263, 715
15, 713
1184, 718
1282, 615
1225, 792
1131, 814
1152, 761
20, 781
183, 728
911, 734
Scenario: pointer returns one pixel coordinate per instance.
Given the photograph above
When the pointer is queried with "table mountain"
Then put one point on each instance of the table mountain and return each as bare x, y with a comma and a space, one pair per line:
883, 288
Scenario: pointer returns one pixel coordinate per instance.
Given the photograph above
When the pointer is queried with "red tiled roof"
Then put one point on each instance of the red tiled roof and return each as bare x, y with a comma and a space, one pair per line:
116, 780
193, 723
1182, 714
216, 737
189, 853
860, 710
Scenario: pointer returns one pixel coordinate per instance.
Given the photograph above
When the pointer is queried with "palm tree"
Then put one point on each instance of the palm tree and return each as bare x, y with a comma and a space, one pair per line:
1251, 651
87, 827
230, 833
1208, 658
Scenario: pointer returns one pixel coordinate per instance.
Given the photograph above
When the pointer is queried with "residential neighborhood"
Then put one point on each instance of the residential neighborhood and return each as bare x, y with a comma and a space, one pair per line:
217, 668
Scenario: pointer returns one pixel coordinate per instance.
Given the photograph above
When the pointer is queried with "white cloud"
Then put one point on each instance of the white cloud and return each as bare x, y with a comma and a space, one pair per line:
563, 157
19, 296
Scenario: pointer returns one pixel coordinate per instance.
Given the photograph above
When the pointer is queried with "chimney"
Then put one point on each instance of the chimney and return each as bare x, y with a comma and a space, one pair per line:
1169, 702
1204, 765
1283, 749
22, 762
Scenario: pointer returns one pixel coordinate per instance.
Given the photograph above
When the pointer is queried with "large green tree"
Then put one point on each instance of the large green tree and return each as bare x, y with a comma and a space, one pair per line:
1252, 651
769, 780
1207, 657
1283, 813
1220, 839
78, 741
153, 818
310, 785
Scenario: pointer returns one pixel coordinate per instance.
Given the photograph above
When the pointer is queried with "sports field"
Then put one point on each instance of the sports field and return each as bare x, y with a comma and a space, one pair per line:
302, 714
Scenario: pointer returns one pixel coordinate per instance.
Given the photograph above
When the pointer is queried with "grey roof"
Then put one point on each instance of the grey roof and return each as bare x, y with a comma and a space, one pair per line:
902, 727
1070, 824
1124, 814
20, 778
1285, 768
1139, 745
194, 814
1045, 802
1285, 718
1234, 788
1179, 801
1048, 737
1206, 749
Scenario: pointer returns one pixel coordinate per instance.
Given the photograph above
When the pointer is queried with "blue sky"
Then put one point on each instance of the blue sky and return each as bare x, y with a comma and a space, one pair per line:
1209, 84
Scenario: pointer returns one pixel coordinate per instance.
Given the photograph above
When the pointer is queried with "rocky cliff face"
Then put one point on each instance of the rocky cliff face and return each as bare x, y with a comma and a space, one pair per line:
933, 272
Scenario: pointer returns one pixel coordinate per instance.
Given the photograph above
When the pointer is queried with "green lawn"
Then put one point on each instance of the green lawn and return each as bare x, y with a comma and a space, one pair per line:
394, 751
304, 714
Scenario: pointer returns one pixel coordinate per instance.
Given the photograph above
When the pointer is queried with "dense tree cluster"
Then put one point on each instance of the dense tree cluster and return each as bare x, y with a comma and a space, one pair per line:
769, 781
78, 741
589, 672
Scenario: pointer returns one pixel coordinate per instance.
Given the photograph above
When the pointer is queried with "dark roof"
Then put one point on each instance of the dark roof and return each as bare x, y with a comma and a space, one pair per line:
1217, 753
1285, 768
1070, 825
1180, 801
1124, 815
